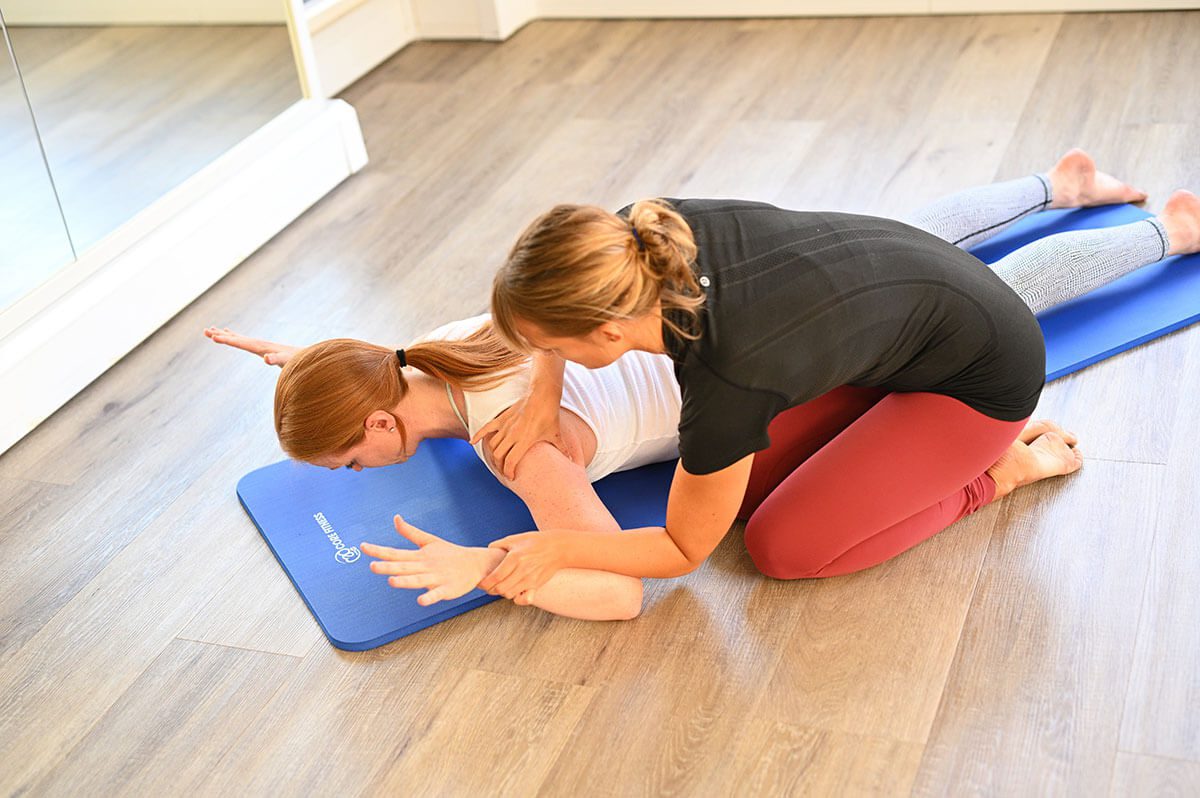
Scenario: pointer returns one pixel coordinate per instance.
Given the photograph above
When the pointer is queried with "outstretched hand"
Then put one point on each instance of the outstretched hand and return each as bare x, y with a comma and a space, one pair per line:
513, 433
444, 569
273, 354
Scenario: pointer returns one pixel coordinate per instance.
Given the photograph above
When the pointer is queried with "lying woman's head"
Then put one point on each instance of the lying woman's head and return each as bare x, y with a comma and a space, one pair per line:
342, 402
579, 272
337, 403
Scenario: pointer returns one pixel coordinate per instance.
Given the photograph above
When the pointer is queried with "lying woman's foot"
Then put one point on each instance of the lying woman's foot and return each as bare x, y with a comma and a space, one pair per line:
1039, 427
1048, 455
1076, 183
1181, 219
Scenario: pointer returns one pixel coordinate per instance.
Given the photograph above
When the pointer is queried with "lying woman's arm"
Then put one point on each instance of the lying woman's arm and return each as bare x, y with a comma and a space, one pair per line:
273, 354
700, 510
557, 492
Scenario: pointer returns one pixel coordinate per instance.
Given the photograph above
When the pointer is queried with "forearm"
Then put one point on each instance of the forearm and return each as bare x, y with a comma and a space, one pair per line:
590, 595
646, 552
585, 594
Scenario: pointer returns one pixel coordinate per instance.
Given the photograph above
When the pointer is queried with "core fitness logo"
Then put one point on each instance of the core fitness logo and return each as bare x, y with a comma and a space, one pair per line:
343, 554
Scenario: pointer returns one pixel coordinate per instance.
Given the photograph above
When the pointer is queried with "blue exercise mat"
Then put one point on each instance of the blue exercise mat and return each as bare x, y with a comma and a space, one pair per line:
1143, 305
314, 518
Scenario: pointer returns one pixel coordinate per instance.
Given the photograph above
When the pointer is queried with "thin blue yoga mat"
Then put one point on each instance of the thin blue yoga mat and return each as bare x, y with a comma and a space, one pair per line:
313, 518
1139, 307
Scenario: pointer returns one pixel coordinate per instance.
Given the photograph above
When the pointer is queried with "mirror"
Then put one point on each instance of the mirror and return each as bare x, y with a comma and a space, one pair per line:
131, 98
33, 238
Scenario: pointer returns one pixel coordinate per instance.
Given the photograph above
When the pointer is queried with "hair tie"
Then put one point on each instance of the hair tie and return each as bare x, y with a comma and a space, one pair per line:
400, 356
641, 244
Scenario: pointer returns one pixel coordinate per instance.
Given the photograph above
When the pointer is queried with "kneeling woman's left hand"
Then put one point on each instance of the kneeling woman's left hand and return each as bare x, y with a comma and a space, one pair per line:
533, 557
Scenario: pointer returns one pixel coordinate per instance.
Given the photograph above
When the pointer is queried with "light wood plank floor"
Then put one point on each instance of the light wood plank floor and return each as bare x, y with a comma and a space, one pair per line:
1049, 644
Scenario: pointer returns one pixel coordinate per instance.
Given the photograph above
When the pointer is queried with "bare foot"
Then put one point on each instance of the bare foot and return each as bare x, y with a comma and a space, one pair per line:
1076, 183
1023, 464
1039, 427
1181, 218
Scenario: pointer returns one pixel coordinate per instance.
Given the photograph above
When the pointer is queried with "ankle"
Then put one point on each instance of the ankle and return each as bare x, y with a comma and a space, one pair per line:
1062, 190
1004, 486
1007, 472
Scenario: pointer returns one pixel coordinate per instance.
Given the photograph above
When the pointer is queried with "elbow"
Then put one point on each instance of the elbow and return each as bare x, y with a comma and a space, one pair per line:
625, 603
630, 605
684, 567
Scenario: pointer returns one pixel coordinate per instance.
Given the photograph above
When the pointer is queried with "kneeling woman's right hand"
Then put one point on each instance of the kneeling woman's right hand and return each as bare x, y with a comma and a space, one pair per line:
444, 569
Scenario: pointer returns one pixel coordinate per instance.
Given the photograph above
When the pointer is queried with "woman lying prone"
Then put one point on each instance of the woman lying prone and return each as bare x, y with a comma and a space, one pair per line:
347, 403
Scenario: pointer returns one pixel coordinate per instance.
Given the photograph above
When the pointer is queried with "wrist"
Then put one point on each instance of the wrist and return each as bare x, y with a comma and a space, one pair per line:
488, 559
547, 372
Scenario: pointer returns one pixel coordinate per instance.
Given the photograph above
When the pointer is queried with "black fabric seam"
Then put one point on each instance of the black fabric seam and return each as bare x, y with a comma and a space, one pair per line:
1010, 220
1161, 239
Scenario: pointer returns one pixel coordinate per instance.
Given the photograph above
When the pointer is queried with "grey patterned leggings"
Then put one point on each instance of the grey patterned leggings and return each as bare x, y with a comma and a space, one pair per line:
1053, 269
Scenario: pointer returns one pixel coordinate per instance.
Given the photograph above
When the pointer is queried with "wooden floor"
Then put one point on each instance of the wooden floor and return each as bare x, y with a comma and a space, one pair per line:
1048, 645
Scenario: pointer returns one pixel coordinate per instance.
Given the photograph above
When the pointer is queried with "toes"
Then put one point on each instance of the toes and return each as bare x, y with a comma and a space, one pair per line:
1070, 437
1039, 427
1132, 194
1034, 430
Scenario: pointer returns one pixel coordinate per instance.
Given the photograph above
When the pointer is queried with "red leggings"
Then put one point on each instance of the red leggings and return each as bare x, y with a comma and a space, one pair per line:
859, 475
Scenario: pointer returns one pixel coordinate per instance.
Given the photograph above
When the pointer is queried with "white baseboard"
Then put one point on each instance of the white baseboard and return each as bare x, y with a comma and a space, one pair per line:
600, 9
144, 12
499, 19
1054, 6
638, 9
58, 339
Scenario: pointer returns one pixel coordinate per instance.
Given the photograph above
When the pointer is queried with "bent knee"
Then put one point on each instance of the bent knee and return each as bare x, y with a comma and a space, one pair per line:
785, 553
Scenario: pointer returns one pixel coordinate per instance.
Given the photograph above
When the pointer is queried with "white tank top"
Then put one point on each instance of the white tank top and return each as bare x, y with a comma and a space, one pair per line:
632, 405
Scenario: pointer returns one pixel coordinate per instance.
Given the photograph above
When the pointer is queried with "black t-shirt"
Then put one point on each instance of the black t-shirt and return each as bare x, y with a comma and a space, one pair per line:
799, 303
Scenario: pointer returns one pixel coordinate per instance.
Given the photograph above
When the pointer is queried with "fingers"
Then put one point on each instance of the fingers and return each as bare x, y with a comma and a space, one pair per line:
418, 536
503, 570
515, 454
524, 599
432, 596
513, 586
399, 567
486, 430
389, 553
413, 582
500, 454
220, 335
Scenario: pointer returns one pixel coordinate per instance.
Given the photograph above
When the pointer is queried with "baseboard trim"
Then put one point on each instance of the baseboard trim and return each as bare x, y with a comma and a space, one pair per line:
61, 337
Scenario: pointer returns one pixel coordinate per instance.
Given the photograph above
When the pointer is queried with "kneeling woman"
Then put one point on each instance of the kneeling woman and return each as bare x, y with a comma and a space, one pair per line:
851, 385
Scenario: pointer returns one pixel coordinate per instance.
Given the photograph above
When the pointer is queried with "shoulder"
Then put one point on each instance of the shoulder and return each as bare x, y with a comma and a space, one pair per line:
543, 471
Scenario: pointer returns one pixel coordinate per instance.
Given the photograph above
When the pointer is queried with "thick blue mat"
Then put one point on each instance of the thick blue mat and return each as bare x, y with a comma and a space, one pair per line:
313, 518
1140, 307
